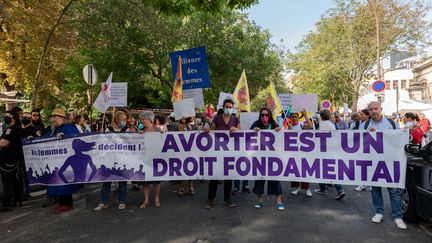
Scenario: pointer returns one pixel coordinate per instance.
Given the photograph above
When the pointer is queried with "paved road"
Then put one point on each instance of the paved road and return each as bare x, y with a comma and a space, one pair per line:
316, 219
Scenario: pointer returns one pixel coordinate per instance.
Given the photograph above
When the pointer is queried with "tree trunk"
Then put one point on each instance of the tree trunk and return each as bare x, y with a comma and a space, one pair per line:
44, 50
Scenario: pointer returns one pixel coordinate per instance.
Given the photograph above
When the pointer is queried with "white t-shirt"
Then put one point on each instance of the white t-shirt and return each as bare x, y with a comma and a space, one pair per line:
326, 126
297, 127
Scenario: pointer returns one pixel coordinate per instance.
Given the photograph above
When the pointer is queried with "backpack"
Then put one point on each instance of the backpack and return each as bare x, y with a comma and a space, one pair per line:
393, 124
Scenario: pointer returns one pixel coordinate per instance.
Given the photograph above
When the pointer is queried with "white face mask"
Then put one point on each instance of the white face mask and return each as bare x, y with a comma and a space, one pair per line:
227, 111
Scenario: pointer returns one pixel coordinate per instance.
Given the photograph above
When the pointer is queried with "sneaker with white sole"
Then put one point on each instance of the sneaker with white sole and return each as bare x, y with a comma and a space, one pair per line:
296, 191
377, 218
320, 192
360, 188
400, 224
100, 207
308, 193
121, 206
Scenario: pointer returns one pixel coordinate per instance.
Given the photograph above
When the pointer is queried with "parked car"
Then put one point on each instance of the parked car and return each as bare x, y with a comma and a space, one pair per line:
417, 196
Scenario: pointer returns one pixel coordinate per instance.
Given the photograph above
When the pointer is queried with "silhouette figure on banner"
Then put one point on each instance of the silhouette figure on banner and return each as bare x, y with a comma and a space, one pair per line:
79, 162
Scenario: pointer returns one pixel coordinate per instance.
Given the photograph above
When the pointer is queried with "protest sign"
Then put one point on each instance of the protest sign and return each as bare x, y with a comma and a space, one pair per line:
247, 119
196, 95
118, 95
184, 108
222, 97
195, 73
338, 157
299, 102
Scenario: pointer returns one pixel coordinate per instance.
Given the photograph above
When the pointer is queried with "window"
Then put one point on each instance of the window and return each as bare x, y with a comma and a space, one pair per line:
387, 84
403, 84
395, 84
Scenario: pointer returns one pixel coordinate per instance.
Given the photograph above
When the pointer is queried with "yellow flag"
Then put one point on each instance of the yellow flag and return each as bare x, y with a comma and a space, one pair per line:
272, 101
241, 94
177, 93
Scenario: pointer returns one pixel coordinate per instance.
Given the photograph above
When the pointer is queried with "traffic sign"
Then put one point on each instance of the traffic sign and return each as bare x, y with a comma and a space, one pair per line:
326, 104
379, 86
90, 74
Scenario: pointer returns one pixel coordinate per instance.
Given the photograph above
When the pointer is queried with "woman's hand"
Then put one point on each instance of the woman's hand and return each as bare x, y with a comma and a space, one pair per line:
257, 129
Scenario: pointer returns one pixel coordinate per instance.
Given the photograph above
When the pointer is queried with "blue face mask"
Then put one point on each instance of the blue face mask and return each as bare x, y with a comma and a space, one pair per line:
123, 124
140, 126
227, 111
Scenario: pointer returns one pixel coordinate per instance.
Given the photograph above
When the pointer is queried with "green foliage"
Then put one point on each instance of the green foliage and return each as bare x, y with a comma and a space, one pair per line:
133, 41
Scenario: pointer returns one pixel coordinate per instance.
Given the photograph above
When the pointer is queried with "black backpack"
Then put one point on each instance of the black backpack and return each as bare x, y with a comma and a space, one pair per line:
390, 120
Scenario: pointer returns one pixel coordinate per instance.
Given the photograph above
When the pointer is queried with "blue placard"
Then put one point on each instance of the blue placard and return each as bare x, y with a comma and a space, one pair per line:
194, 67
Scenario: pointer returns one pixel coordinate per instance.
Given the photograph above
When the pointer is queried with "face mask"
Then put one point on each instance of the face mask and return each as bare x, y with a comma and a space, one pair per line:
227, 111
123, 124
7, 120
26, 121
140, 126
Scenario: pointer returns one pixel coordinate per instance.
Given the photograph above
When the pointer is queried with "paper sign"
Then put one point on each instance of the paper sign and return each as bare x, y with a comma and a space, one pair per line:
299, 102
118, 95
247, 119
222, 97
184, 108
196, 94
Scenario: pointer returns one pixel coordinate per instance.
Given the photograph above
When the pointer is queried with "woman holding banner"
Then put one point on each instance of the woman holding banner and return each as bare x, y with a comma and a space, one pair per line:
296, 126
119, 125
147, 120
185, 125
266, 121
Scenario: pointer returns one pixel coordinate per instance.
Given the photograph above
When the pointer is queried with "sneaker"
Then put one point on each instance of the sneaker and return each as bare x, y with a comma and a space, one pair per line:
280, 207
320, 192
296, 191
258, 205
340, 195
400, 224
100, 207
121, 206
229, 203
246, 189
377, 218
360, 188
308, 193
208, 204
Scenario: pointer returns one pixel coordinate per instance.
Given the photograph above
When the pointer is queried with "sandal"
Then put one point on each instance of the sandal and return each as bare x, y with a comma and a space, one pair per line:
145, 205
180, 192
157, 204
191, 191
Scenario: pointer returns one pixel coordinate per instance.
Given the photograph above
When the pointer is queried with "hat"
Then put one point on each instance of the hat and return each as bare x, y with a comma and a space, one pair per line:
58, 112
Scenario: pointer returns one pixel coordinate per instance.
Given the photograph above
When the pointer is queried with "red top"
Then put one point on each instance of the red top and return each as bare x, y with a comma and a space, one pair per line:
416, 135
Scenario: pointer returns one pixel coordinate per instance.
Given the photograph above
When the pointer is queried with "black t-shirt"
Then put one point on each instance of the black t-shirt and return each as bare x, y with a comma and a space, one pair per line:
257, 124
29, 131
13, 152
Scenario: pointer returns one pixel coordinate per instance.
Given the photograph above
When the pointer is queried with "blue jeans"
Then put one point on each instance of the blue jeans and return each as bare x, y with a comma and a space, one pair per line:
323, 187
237, 184
395, 201
121, 192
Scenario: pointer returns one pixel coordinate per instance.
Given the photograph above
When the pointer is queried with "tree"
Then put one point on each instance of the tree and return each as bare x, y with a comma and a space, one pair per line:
134, 41
339, 56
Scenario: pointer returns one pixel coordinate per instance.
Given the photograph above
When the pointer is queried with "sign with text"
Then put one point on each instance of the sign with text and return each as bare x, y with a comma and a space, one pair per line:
337, 157
118, 95
247, 119
194, 67
299, 102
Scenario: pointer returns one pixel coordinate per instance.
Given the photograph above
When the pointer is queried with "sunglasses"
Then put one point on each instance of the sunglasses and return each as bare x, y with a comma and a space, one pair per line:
35, 115
265, 115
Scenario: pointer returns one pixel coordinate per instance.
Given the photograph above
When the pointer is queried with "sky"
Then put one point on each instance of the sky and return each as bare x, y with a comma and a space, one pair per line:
290, 20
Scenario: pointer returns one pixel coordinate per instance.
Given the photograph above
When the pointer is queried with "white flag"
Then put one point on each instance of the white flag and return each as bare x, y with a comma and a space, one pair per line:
102, 101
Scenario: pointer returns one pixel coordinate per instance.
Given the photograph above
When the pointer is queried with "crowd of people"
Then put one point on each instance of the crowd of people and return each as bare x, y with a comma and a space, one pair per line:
18, 124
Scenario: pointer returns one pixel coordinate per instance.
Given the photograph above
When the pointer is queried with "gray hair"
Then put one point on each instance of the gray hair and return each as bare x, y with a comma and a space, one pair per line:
355, 117
147, 115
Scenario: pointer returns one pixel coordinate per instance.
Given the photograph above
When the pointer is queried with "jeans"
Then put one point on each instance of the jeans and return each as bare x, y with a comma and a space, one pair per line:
237, 184
395, 201
121, 192
338, 187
